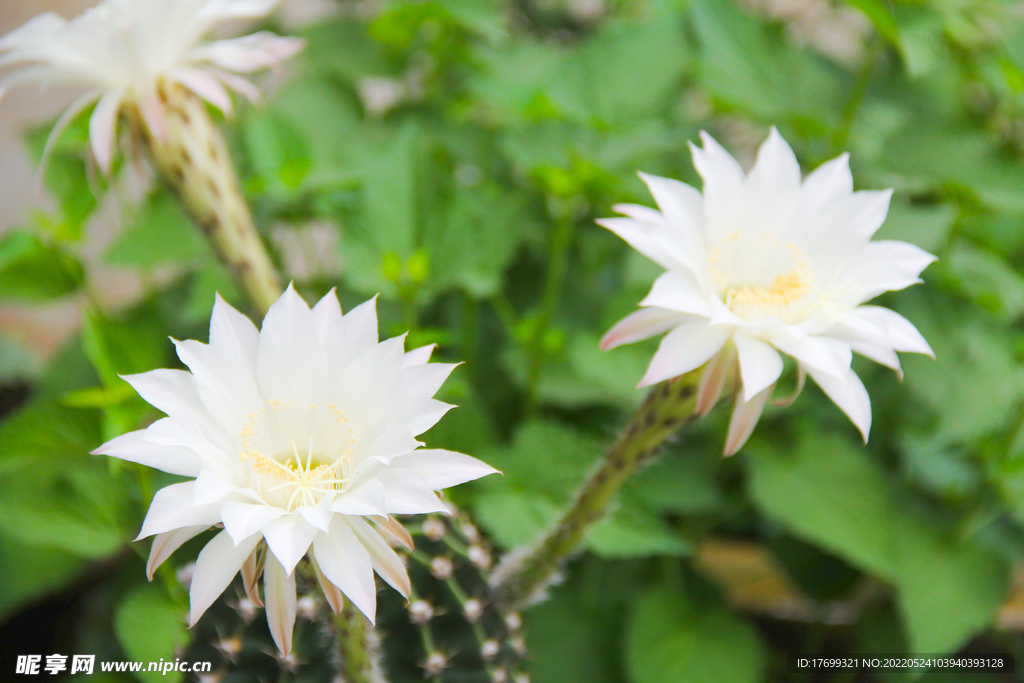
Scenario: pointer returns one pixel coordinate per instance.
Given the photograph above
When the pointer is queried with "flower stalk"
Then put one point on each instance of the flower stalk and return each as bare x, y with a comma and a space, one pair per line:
521, 579
189, 152
357, 647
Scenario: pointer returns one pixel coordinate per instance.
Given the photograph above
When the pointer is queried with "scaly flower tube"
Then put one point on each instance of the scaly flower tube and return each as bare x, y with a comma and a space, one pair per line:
124, 51
766, 263
300, 438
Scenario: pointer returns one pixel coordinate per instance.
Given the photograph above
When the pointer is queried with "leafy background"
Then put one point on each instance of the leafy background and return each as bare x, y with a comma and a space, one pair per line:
452, 156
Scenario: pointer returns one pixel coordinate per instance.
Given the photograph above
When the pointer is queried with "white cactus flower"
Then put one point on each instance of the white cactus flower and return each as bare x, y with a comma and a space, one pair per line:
122, 51
763, 263
300, 438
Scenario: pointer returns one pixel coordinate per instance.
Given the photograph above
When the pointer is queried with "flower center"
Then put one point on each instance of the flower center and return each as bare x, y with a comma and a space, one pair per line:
746, 270
282, 474
781, 300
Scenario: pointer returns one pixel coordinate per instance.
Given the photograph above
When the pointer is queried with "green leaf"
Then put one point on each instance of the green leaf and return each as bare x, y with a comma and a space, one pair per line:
52, 513
833, 495
123, 347
974, 383
670, 640
987, 279
830, 493
948, 592
607, 66
55, 494
131, 345
755, 70
680, 482
474, 239
160, 233
881, 17
30, 440
28, 572
32, 270
151, 627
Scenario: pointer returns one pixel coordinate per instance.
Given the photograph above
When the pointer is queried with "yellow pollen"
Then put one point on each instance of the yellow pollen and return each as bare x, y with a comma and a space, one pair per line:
757, 303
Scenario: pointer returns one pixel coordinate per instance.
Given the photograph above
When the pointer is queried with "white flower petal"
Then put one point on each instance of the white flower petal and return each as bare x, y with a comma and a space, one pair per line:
677, 290
288, 352
216, 566
683, 210
849, 394
713, 380
883, 355
424, 380
369, 378
173, 508
902, 333
829, 183
166, 543
440, 469
244, 518
685, 348
260, 50
334, 597
133, 447
417, 413
760, 365
385, 561
204, 85
346, 564
360, 325
723, 186
252, 569
394, 530
407, 494
396, 440
234, 333
649, 240
213, 485
365, 499
642, 324
418, 356
644, 214
745, 416
103, 127
226, 384
175, 393
279, 590
319, 515
816, 352
327, 315
288, 538
772, 189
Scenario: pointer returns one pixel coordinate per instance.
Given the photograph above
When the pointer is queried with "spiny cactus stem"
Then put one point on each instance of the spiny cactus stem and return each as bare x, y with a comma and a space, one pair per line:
522, 579
356, 647
190, 154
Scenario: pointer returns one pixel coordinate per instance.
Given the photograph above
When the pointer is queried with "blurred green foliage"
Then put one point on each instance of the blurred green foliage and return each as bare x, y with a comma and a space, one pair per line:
459, 151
